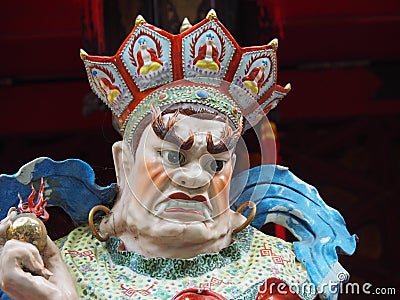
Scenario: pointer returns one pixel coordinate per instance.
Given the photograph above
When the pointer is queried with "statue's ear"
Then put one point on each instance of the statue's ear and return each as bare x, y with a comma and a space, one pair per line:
123, 161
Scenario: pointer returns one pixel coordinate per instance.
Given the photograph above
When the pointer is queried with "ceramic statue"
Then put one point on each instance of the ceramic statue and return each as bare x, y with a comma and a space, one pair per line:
179, 223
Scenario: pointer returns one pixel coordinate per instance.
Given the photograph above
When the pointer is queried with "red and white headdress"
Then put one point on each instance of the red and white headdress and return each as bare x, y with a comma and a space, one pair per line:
202, 64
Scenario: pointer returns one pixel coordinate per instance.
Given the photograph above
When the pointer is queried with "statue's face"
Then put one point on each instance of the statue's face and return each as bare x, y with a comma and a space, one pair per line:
263, 67
143, 45
175, 189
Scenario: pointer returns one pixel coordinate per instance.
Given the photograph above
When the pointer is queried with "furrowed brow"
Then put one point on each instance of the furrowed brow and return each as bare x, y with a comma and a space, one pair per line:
167, 133
227, 140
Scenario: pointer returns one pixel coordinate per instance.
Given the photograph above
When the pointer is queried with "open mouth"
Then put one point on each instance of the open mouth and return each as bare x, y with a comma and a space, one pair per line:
183, 203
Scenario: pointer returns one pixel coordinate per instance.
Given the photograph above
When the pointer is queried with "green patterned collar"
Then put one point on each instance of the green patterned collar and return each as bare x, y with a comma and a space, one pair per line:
175, 268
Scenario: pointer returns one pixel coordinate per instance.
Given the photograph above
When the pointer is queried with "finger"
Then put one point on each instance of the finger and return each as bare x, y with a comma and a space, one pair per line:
12, 210
6, 222
4, 225
15, 281
36, 264
25, 286
34, 260
22, 254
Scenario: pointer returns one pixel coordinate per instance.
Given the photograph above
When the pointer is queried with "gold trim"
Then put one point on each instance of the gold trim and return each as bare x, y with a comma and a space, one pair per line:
97, 235
83, 54
211, 15
274, 44
185, 25
253, 207
139, 20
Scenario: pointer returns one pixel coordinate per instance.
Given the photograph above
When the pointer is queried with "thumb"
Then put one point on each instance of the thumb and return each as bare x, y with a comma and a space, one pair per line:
6, 223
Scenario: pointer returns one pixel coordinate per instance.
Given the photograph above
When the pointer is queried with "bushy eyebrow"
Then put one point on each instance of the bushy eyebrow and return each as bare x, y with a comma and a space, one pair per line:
166, 132
227, 140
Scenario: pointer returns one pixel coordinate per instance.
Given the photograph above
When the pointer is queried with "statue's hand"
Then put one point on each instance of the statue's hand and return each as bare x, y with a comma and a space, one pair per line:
25, 274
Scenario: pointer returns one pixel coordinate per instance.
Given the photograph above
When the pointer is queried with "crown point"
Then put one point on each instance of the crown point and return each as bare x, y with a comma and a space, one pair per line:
139, 20
185, 25
211, 15
273, 44
288, 87
83, 54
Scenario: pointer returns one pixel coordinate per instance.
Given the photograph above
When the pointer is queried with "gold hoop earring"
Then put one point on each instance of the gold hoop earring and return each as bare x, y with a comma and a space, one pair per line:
97, 235
253, 207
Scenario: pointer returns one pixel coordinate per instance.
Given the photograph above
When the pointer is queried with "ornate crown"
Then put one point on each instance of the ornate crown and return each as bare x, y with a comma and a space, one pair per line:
203, 64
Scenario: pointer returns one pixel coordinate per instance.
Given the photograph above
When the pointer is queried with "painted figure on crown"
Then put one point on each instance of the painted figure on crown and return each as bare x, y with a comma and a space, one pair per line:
147, 58
110, 91
208, 55
182, 222
255, 78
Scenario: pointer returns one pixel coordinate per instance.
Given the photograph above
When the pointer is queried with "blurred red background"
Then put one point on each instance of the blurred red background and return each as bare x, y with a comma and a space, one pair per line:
337, 129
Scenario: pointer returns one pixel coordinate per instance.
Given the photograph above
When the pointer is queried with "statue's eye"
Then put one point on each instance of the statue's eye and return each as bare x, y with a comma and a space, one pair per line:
173, 157
214, 166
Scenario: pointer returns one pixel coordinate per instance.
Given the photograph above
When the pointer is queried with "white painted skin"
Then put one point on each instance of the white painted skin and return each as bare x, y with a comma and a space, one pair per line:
147, 220
179, 228
52, 281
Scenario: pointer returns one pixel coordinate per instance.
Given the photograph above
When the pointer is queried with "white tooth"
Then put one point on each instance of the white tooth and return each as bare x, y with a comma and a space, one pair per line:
207, 215
161, 208
197, 206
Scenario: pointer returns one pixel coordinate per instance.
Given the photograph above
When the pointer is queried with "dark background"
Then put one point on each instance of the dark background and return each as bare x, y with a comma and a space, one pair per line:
338, 129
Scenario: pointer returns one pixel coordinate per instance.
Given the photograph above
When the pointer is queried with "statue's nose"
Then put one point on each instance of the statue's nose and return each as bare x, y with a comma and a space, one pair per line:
192, 176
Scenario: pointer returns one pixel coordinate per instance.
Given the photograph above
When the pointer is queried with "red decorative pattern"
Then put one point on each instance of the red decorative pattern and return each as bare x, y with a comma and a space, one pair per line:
105, 71
251, 61
131, 54
213, 282
223, 48
194, 41
86, 253
276, 258
129, 292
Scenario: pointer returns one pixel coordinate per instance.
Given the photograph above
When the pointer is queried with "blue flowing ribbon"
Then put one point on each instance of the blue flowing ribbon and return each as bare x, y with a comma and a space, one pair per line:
284, 199
69, 184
